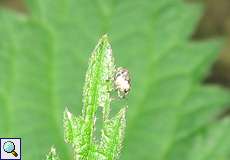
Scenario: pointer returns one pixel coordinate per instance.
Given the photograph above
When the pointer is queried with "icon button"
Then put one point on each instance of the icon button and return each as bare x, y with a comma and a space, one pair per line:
10, 149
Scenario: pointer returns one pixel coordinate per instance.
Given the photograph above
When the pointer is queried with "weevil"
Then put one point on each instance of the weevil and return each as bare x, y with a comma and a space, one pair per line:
122, 82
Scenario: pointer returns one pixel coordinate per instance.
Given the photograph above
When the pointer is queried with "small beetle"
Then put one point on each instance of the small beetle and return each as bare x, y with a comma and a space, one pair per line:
122, 82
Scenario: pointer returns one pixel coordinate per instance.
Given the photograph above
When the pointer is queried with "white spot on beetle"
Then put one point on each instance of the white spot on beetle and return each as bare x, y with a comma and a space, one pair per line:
122, 82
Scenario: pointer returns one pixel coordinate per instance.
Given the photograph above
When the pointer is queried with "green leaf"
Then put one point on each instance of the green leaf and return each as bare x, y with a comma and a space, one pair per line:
43, 59
72, 127
99, 80
52, 155
80, 131
112, 136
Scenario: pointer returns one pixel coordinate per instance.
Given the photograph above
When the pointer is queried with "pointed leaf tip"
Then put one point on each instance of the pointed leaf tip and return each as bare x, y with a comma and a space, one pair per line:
68, 126
98, 81
105, 37
52, 155
67, 113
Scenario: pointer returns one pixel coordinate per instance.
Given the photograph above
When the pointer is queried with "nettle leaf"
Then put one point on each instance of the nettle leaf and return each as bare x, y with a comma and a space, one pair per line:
171, 115
80, 131
52, 155
113, 135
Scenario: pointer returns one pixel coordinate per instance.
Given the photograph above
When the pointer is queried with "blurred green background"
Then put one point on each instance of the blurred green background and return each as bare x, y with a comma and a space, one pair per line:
179, 104
214, 22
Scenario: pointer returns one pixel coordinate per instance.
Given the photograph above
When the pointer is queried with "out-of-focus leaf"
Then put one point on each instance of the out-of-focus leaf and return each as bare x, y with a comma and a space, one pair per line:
43, 61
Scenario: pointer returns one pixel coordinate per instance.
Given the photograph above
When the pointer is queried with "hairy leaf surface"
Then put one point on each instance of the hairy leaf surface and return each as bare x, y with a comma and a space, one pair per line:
171, 115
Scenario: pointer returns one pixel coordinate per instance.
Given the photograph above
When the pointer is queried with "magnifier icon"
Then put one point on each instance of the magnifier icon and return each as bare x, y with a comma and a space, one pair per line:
9, 147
